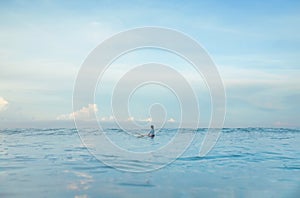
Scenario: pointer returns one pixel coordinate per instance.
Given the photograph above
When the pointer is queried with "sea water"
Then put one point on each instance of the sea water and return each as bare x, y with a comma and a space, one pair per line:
245, 162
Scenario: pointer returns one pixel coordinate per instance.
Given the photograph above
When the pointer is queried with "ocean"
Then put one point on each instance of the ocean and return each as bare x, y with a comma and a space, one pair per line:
245, 162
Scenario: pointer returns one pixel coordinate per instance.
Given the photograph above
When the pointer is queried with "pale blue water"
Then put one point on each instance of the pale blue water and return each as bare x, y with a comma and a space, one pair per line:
252, 162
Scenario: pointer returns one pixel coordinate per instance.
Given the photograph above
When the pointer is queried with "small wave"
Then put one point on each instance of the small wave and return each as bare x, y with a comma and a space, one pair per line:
289, 168
38, 131
12, 167
24, 159
197, 158
97, 168
136, 184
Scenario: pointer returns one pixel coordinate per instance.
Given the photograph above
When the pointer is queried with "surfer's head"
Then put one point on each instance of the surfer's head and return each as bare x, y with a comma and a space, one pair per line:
152, 127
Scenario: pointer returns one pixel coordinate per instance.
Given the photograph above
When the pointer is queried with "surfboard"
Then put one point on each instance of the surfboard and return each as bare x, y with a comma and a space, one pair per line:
140, 136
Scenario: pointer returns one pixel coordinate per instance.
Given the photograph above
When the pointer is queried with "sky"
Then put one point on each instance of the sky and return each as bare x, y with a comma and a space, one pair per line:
254, 44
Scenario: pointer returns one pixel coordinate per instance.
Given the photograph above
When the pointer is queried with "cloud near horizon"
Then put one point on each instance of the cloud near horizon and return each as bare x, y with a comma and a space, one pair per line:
85, 113
171, 120
3, 104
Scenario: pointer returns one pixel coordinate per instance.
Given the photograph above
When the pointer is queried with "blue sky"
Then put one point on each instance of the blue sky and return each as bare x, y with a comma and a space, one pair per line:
255, 45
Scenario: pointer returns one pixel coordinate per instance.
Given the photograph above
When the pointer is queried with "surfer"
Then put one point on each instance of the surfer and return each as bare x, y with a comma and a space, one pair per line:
151, 133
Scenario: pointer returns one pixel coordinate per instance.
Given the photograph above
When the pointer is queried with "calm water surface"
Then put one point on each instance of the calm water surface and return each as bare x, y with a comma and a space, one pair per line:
250, 162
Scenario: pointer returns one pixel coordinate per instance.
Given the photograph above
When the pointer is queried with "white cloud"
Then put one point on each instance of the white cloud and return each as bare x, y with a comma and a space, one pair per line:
130, 119
146, 120
3, 104
105, 119
234, 75
172, 120
85, 113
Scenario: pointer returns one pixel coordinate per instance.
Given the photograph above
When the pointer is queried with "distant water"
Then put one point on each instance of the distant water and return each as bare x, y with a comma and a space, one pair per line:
248, 162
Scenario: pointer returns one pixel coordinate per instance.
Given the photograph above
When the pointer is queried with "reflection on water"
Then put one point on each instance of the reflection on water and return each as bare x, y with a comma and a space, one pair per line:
83, 183
250, 162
